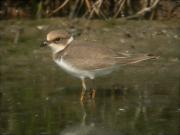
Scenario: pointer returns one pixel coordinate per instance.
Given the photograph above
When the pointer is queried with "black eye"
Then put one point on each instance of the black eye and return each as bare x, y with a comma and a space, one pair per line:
58, 39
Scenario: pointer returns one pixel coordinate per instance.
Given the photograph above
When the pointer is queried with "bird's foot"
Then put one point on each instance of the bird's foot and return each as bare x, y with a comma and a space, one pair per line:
82, 95
88, 95
93, 94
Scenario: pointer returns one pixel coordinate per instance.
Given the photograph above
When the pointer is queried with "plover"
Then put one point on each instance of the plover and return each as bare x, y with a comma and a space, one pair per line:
86, 60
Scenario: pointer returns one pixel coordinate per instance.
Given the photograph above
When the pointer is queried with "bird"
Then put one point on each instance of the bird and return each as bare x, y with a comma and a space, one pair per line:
85, 59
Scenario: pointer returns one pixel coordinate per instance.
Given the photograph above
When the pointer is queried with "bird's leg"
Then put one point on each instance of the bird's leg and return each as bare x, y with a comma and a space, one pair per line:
93, 93
83, 89
93, 90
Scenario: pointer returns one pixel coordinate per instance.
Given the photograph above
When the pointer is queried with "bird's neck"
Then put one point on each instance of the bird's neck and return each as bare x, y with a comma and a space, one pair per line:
58, 48
59, 51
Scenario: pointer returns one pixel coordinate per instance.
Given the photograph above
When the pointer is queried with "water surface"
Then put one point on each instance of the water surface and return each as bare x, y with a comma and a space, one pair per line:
37, 98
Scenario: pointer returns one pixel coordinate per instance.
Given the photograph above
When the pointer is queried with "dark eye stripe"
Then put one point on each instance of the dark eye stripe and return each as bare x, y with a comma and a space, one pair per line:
58, 39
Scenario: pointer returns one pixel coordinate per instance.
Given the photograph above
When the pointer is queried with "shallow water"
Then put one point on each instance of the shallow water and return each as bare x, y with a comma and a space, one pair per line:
28, 111
37, 98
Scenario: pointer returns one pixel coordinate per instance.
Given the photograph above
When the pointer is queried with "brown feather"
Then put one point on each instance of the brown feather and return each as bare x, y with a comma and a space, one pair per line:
93, 57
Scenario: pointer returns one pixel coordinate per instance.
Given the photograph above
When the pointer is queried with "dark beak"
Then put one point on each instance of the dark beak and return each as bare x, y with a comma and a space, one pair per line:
44, 43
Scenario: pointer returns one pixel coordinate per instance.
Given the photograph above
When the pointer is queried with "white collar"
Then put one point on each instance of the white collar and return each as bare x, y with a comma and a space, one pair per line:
70, 40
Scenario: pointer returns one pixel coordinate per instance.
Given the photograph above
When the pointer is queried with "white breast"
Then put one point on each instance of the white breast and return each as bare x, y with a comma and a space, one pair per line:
73, 70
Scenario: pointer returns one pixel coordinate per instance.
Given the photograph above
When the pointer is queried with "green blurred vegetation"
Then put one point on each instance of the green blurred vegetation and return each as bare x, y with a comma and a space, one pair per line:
104, 9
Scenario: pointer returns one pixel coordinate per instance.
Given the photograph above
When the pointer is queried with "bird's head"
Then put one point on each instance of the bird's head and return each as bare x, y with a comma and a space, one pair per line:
57, 40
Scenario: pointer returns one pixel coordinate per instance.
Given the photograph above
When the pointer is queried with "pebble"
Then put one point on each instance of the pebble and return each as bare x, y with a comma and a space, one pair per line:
121, 109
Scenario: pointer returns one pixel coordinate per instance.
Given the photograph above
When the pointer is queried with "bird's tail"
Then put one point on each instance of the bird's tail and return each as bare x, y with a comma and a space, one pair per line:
136, 59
